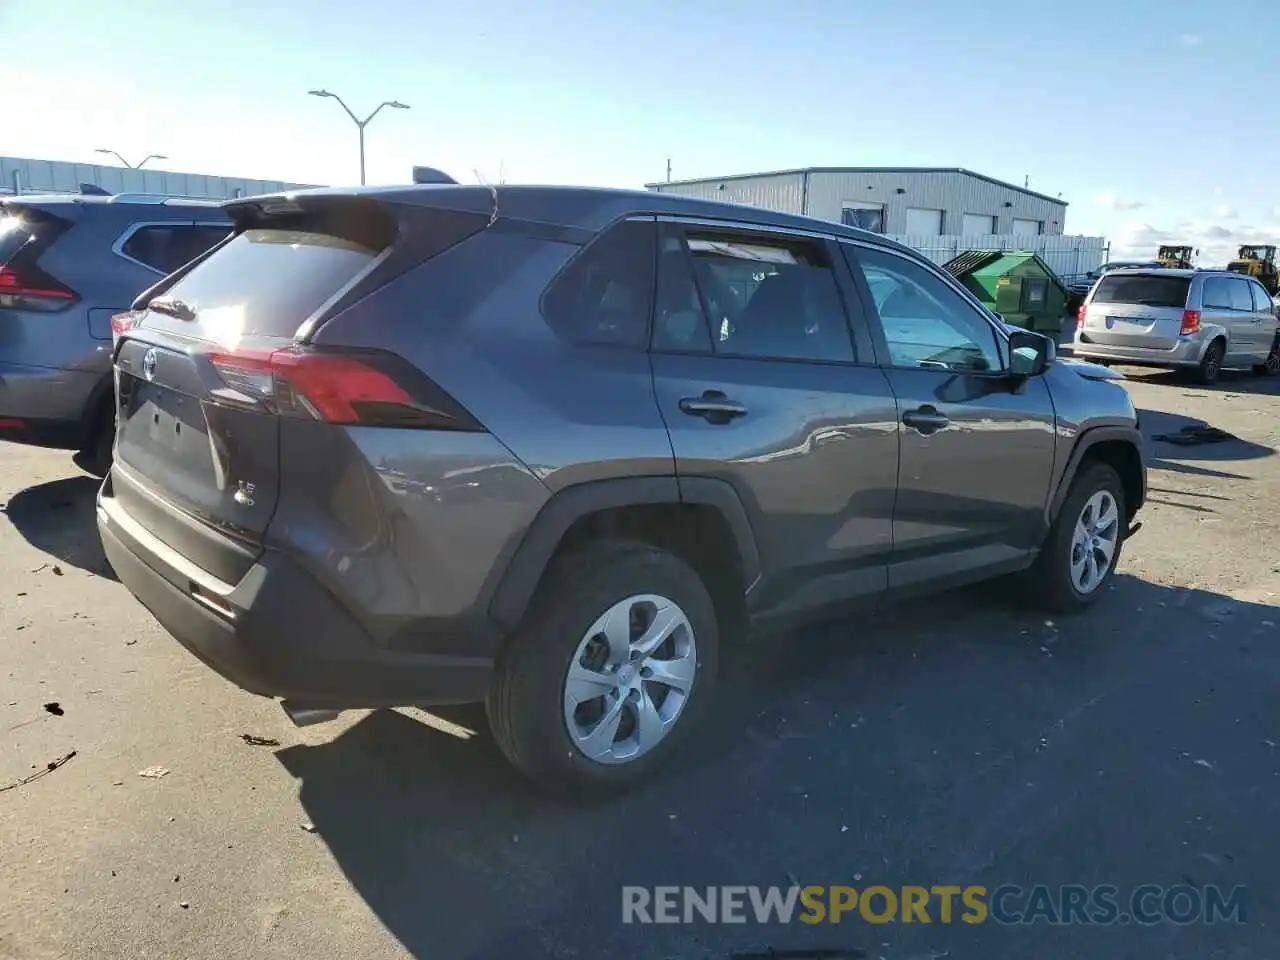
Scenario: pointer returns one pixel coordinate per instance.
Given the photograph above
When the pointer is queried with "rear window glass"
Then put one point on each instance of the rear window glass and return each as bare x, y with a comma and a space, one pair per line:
1240, 298
267, 282
13, 234
1147, 290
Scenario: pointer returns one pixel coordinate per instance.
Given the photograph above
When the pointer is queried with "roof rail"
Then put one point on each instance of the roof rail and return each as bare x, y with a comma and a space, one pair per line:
163, 199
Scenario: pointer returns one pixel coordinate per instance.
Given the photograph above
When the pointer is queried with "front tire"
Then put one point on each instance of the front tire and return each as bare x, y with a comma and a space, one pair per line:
1080, 554
609, 672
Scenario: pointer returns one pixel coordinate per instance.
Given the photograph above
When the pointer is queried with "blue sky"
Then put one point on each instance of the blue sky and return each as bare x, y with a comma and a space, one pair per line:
1137, 112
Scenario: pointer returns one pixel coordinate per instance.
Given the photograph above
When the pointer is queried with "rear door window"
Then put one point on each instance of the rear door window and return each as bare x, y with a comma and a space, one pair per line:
268, 281
1144, 289
1217, 294
1241, 299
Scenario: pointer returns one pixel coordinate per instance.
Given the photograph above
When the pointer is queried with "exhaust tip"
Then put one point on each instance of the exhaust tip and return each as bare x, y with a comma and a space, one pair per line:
303, 716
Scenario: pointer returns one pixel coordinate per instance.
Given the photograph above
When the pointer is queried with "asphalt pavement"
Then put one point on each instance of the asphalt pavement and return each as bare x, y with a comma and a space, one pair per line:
964, 740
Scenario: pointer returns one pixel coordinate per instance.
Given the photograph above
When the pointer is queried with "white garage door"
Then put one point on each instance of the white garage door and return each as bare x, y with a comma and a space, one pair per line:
1024, 228
978, 225
922, 222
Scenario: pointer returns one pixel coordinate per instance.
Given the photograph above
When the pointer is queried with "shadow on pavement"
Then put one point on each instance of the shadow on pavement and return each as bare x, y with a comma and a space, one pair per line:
969, 741
59, 519
1165, 455
1231, 381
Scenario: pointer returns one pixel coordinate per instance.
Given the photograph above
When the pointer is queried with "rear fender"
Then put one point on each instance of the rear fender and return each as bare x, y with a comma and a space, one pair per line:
523, 573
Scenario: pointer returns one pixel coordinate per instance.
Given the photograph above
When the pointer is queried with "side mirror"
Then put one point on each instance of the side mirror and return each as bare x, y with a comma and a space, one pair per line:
1030, 353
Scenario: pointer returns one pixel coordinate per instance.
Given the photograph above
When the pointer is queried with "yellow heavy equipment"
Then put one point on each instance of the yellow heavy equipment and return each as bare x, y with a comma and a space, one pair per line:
1176, 258
1257, 261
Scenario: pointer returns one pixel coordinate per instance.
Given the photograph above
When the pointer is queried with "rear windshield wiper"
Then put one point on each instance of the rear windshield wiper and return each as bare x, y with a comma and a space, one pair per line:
173, 307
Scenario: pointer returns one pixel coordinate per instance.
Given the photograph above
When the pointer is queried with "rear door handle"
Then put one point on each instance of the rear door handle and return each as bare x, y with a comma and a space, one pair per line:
926, 419
713, 406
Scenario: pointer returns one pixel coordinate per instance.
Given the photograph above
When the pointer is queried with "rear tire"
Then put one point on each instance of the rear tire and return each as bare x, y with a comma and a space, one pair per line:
1211, 363
1271, 366
1052, 581
96, 457
572, 750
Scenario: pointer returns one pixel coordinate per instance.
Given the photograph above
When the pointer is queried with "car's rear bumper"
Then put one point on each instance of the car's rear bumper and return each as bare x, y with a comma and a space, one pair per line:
1186, 353
46, 407
278, 632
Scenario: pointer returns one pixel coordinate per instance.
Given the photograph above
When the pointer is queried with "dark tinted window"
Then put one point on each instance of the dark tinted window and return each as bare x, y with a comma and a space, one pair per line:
169, 246
268, 281
926, 323
603, 296
1146, 289
1241, 299
1217, 294
769, 297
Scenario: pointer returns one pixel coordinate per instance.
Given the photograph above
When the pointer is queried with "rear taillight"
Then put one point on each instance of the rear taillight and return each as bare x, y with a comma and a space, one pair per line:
1080, 312
1190, 323
32, 288
355, 388
122, 323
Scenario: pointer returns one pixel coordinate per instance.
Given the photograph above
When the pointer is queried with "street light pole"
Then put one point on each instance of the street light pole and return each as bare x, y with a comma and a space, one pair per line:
360, 124
132, 166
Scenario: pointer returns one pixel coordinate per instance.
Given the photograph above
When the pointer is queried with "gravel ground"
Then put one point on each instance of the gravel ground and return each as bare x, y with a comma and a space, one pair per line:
960, 741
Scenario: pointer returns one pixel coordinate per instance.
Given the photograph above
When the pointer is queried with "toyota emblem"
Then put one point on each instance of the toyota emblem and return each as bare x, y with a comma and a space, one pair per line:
149, 364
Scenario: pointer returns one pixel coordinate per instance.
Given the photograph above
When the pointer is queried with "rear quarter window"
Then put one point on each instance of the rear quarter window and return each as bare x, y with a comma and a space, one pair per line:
605, 294
1149, 291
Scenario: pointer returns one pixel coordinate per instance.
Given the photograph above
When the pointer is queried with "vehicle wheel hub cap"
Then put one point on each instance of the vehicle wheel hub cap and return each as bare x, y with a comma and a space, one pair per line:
629, 679
1094, 540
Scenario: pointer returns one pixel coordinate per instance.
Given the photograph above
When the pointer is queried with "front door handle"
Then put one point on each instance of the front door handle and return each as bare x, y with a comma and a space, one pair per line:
925, 419
713, 406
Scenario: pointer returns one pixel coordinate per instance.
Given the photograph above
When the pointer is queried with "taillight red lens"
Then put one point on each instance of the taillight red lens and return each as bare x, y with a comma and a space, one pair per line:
122, 323
363, 388
14, 284
1190, 322
1080, 312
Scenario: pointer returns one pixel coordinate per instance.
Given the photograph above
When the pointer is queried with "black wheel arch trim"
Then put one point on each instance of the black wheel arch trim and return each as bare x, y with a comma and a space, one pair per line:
523, 572
1087, 439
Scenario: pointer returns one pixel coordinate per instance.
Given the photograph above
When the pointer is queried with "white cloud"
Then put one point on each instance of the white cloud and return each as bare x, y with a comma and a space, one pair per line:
1217, 242
1191, 39
1217, 191
1224, 211
1110, 201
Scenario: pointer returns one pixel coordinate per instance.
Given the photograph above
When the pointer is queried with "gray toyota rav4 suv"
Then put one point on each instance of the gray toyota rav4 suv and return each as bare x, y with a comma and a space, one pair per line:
553, 449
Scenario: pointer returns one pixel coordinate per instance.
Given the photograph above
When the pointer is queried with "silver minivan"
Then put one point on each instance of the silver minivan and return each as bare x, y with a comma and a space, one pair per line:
1206, 320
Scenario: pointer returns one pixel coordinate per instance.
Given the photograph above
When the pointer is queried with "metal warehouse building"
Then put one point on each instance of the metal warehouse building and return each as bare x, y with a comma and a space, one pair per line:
922, 201
20, 175
941, 211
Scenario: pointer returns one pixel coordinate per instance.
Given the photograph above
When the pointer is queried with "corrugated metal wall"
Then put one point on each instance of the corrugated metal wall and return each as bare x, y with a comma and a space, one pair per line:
953, 193
781, 192
23, 175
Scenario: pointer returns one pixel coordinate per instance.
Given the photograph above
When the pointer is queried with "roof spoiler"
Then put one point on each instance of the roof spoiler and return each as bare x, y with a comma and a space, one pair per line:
431, 175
